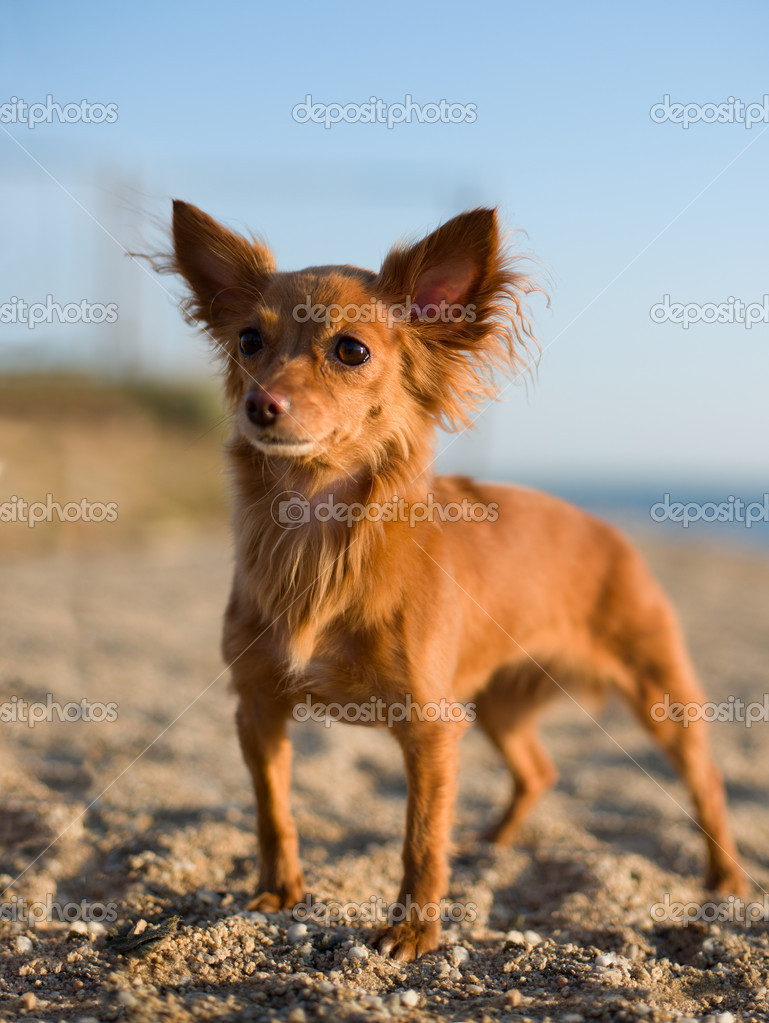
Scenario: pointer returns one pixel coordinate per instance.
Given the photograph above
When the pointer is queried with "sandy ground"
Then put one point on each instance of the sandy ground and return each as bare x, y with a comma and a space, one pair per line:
149, 817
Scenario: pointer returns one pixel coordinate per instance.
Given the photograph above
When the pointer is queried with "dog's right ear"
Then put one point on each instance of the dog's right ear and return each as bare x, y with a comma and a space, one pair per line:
225, 272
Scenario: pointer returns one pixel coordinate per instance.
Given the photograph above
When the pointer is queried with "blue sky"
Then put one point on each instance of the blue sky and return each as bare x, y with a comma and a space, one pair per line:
624, 210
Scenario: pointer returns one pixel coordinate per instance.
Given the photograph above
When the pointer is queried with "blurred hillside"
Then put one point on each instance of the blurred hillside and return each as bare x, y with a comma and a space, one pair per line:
154, 450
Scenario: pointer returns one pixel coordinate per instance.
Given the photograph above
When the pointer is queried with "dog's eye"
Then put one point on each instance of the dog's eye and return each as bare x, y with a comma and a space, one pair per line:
250, 342
351, 352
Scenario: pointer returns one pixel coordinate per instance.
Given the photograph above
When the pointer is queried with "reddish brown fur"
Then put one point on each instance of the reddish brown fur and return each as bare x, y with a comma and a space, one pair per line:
502, 613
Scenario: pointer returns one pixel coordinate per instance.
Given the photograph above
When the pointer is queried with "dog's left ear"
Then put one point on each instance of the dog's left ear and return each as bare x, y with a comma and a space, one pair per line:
224, 271
445, 268
466, 305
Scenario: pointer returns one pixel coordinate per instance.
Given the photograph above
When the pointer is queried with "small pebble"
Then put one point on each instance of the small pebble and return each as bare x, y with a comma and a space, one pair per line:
23, 944
296, 933
78, 927
572, 1017
255, 917
725, 1017
357, 952
532, 938
410, 998
516, 937
297, 1016
458, 955
373, 1002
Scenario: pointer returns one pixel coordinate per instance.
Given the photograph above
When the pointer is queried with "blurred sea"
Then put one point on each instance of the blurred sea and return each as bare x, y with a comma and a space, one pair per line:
684, 514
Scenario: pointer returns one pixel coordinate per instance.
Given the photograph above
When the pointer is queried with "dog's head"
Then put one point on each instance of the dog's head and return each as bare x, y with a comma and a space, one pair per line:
340, 365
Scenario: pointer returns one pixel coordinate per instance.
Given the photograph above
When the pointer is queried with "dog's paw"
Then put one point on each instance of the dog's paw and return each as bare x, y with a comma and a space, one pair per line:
727, 879
284, 897
406, 941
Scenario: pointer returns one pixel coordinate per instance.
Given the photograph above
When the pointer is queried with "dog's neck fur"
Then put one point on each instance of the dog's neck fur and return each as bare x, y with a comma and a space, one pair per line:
302, 579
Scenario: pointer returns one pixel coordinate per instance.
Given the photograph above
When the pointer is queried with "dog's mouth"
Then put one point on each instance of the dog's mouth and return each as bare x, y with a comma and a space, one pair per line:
286, 447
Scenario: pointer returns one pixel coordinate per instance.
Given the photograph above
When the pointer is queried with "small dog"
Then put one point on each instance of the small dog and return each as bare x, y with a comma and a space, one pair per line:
336, 378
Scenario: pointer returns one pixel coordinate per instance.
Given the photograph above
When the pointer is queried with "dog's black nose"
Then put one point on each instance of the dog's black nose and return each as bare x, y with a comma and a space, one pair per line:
264, 407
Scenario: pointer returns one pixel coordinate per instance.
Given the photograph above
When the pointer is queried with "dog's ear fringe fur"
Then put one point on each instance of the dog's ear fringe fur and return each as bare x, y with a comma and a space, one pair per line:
192, 309
460, 372
199, 246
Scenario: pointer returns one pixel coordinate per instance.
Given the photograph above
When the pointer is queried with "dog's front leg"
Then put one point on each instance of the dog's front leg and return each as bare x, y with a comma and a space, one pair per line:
267, 752
431, 753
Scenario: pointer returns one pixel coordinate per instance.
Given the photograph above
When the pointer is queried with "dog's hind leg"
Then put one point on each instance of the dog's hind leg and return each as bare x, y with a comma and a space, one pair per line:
670, 682
657, 678
532, 771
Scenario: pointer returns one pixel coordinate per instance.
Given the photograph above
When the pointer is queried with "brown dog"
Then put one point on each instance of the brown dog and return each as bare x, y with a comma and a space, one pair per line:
336, 378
